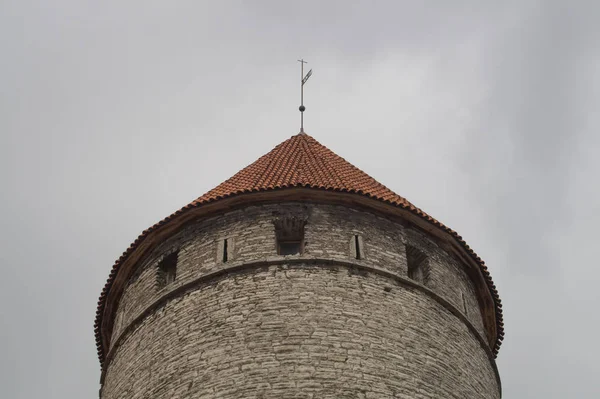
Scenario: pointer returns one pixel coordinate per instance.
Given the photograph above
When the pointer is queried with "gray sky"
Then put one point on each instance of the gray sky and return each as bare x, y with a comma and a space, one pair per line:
114, 114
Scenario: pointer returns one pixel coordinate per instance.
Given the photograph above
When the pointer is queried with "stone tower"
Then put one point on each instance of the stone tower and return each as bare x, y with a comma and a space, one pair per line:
299, 277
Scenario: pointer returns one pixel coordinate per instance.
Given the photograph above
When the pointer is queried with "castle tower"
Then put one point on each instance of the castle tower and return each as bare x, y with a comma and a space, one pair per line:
299, 277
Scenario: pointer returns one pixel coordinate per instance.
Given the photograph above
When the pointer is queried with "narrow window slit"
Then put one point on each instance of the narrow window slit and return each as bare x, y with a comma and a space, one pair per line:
356, 249
167, 269
225, 250
464, 301
418, 265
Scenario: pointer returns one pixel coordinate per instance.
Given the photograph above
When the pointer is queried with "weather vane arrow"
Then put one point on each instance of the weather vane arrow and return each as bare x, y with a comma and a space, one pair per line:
306, 77
303, 79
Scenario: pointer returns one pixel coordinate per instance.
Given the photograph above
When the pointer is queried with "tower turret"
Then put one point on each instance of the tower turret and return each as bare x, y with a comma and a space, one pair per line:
300, 276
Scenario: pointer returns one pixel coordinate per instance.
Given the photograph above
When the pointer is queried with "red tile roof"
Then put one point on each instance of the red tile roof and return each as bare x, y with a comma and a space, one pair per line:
301, 161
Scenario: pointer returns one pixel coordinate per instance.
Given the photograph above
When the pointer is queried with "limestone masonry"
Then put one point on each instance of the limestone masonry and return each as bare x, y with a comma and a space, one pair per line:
300, 277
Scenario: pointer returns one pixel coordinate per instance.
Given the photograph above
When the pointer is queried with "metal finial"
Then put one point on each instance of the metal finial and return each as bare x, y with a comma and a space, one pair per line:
303, 80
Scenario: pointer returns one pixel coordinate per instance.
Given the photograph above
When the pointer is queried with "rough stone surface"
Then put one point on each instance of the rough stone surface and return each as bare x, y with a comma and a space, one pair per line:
305, 330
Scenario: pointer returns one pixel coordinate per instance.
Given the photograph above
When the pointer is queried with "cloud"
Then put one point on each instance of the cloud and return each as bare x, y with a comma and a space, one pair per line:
482, 114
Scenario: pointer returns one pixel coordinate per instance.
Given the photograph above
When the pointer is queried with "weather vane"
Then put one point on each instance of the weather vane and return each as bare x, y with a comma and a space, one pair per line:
303, 80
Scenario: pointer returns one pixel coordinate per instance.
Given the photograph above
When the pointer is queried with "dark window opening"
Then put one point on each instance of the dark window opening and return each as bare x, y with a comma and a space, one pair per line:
357, 248
290, 248
289, 233
167, 270
225, 250
418, 265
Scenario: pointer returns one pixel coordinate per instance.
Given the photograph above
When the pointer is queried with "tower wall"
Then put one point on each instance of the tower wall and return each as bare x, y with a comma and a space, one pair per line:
320, 324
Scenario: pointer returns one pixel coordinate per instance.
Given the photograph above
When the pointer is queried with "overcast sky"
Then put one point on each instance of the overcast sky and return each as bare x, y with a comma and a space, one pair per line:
114, 114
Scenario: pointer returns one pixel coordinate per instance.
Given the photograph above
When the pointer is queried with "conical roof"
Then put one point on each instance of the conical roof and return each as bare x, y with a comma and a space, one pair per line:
300, 161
